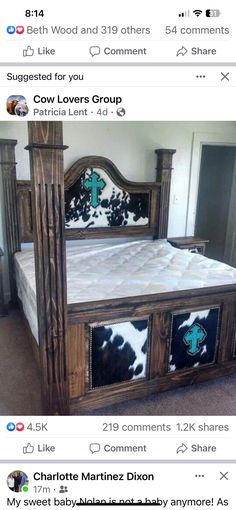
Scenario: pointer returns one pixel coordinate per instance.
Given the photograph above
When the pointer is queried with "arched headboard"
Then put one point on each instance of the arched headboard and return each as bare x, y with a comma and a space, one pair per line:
100, 202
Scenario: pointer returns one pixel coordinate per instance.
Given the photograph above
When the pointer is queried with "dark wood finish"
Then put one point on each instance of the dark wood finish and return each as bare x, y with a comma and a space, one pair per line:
77, 349
104, 397
108, 232
82, 399
46, 164
110, 309
71, 176
32, 340
64, 351
160, 309
3, 309
160, 336
10, 213
24, 201
227, 330
191, 243
164, 170
159, 194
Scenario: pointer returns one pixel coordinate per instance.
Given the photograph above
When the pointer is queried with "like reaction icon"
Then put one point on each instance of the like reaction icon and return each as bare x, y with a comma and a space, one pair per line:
11, 426
28, 52
11, 29
28, 449
15, 426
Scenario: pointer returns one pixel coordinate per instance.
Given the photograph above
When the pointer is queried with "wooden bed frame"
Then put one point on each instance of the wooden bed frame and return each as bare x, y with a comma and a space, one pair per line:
35, 210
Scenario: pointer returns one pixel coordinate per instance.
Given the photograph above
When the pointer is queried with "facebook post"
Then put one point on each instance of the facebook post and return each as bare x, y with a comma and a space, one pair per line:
118, 255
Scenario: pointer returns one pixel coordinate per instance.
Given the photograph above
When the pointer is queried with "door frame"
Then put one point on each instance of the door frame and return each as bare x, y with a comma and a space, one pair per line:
198, 141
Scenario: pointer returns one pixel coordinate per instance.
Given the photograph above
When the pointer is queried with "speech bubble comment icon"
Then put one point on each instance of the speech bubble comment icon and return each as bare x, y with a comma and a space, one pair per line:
94, 447
94, 50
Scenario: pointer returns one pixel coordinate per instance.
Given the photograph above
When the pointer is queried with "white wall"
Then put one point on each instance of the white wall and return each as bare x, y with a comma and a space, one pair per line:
131, 146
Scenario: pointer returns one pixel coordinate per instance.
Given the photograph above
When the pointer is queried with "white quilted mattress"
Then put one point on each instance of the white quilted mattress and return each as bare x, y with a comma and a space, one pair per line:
101, 272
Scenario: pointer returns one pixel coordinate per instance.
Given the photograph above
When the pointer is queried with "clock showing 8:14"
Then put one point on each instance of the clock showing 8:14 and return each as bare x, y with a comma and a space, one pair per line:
36, 13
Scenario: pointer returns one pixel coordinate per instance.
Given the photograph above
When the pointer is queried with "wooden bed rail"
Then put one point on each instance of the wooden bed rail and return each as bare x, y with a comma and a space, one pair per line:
10, 212
47, 176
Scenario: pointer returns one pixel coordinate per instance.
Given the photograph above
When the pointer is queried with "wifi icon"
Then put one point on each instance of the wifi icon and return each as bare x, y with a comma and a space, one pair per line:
197, 12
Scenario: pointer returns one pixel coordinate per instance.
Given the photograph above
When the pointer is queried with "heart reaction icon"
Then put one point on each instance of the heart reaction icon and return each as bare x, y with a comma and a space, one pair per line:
20, 426
20, 29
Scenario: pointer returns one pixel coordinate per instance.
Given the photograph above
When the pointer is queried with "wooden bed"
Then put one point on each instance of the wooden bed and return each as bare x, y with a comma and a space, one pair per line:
38, 211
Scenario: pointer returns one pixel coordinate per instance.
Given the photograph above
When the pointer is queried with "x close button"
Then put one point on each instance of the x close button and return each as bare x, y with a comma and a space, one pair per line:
224, 476
224, 76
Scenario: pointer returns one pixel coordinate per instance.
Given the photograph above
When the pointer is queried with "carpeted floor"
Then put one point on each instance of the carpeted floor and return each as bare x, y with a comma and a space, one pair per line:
20, 385
19, 374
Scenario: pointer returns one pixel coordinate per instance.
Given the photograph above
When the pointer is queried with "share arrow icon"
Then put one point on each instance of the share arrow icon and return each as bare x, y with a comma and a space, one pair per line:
181, 52
182, 448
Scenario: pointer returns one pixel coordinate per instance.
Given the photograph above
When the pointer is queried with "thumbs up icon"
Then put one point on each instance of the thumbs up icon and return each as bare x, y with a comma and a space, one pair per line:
28, 52
28, 448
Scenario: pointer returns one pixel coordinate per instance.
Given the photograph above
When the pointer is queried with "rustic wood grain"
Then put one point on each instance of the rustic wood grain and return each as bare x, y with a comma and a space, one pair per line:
186, 240
24, 202
152, 303
140, 389
30, 337
157, 192
227, 330
3, 309
189, 243
159, 378
164, 170
161, 325
65, 351
46, 165
77, 360
10, 212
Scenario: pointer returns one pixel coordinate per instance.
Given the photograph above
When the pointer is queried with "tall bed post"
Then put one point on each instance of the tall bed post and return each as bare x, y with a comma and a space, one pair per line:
8, 171
164, 169
47, 176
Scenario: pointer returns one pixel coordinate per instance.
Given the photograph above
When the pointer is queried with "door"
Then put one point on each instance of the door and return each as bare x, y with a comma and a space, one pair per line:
230, 241
216, 216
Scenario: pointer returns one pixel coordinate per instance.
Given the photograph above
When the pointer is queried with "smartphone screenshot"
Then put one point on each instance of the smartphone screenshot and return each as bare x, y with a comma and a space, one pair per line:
118, 255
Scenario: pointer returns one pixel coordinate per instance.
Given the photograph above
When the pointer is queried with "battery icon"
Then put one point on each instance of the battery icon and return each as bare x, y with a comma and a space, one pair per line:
212, 13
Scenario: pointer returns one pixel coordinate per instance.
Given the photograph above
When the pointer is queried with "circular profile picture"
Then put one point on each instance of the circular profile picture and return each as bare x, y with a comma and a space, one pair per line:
21, 109
17, 105
18, 481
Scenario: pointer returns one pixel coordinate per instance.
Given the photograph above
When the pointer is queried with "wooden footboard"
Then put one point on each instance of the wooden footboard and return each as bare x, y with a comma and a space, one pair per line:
126, 349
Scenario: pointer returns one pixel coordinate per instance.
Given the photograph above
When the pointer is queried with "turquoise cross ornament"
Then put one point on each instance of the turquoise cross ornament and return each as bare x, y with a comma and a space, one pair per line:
94, 184
194, 338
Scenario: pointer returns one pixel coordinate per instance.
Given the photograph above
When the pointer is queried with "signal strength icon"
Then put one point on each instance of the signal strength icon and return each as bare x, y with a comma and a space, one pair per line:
197, 12
183, 14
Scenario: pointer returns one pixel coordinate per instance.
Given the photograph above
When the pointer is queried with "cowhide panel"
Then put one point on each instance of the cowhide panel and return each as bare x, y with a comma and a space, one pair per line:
95, 201
118, 352
194, 339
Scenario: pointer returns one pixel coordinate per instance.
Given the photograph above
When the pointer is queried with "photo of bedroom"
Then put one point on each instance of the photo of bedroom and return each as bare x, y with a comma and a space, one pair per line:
117, 268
